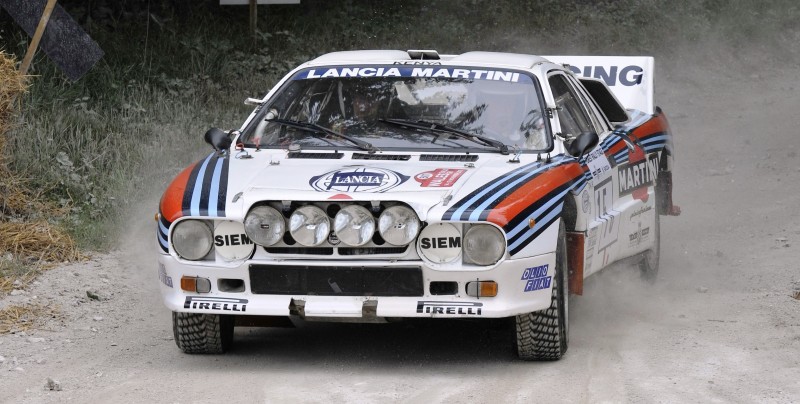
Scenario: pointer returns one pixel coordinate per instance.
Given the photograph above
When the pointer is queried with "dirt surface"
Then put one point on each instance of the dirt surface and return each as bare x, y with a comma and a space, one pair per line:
720, 325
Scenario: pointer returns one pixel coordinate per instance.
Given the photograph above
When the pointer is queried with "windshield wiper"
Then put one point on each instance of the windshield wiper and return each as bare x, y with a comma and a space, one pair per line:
420, 124
319, 129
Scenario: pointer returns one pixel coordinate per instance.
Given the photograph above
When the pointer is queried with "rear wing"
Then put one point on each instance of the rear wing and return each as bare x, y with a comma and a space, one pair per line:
630, 78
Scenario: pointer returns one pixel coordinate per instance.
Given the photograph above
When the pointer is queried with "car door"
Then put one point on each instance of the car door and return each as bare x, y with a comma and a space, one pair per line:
576, 114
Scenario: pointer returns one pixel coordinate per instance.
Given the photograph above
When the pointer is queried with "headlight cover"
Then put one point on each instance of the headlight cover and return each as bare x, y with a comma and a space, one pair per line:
354, 225
309, 226
398, 225
484, 244
192, 239
264, 225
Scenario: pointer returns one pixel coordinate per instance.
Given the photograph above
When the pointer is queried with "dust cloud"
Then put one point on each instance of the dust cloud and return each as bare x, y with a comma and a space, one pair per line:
719, 324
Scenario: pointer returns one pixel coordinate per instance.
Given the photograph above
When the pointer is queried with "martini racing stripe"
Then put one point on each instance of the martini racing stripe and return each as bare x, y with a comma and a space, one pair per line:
200, 190
488, 196
484, 192
541, 225
162, 232
207, 187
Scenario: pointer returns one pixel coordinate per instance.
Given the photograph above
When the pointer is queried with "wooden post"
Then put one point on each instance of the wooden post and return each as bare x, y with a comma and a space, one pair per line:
253, 18
37, 36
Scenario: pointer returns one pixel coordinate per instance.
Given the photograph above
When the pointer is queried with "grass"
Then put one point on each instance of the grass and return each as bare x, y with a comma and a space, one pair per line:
101, 146
23, 318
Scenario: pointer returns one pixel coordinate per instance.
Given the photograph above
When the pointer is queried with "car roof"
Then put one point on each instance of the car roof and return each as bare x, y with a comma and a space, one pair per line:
496, 59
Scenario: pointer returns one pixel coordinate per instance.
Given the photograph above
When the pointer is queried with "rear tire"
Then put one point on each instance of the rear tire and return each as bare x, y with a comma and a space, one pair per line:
544, 335
202, 333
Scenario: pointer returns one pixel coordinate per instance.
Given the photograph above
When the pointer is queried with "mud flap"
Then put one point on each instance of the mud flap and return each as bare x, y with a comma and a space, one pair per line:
575, 242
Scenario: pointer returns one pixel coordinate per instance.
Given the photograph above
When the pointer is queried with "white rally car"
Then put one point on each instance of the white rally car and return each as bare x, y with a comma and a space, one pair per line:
375, 185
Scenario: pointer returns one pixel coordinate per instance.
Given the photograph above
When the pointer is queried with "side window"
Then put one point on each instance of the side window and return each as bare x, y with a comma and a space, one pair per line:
597, 118
572, 117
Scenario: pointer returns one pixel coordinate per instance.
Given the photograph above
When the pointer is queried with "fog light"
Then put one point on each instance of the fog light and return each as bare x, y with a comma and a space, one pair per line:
195, 284
482, 289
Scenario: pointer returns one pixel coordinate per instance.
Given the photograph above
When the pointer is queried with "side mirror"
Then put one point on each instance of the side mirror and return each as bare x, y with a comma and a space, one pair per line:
218, 139
583, 143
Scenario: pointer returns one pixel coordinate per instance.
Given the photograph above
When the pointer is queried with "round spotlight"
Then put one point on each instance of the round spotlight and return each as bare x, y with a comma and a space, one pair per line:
264, 225
354, 225
398, 225
309, 226
192, 239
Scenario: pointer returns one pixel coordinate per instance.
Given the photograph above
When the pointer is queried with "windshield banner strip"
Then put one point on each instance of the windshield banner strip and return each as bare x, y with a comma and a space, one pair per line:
415, 72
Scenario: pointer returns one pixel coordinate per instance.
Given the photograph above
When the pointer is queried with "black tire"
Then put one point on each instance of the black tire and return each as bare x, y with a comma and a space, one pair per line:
650, 259
544, 335
202, 333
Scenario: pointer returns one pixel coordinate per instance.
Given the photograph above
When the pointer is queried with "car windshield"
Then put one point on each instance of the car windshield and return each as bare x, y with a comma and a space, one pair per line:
398, 107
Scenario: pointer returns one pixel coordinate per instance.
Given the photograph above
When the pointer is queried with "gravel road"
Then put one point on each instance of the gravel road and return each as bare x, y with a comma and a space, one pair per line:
720, 325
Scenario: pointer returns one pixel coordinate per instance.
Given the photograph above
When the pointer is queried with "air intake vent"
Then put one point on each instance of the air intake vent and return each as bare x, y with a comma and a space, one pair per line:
371, 250
321, 156
448, 157
362, 156
300, 250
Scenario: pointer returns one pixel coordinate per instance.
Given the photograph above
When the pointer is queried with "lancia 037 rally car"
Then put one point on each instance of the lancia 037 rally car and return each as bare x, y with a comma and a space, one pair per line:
375, 185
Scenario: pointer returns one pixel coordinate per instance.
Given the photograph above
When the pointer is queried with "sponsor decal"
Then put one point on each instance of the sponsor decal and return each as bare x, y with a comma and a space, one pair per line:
638, 174
439, 178
440, 242
536, 278
598, 163
605, 216
586, 202
638, 236
426, 72
626, 75
162, 275
418, 62
215, 303
640, 211
463, 308
357, 179
231, 242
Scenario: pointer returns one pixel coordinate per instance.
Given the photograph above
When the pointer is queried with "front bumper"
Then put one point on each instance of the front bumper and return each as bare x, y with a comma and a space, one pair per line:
524, 285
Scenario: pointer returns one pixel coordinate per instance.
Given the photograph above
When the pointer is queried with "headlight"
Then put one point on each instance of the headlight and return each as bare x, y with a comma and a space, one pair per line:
484, 244
354, 225
398, 225
264, 225
309, 226
192, 239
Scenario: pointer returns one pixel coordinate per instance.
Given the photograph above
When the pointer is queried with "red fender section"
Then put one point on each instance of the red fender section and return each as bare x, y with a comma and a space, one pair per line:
171, 206
532, 191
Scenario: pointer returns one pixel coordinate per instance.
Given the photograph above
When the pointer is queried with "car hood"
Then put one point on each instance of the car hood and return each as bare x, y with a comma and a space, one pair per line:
421, 184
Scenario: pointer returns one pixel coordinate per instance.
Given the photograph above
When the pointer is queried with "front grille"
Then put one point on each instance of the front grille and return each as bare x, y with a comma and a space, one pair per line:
335, 281
448, 157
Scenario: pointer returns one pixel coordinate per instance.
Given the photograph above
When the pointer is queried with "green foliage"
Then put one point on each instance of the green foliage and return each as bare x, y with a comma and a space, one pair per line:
172, 69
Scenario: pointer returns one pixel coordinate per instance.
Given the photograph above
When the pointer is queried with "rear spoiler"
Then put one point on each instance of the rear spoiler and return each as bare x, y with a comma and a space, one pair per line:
630, 78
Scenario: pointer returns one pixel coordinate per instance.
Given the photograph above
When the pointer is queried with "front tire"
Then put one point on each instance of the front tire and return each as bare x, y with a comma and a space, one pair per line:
202, 333
544, 335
